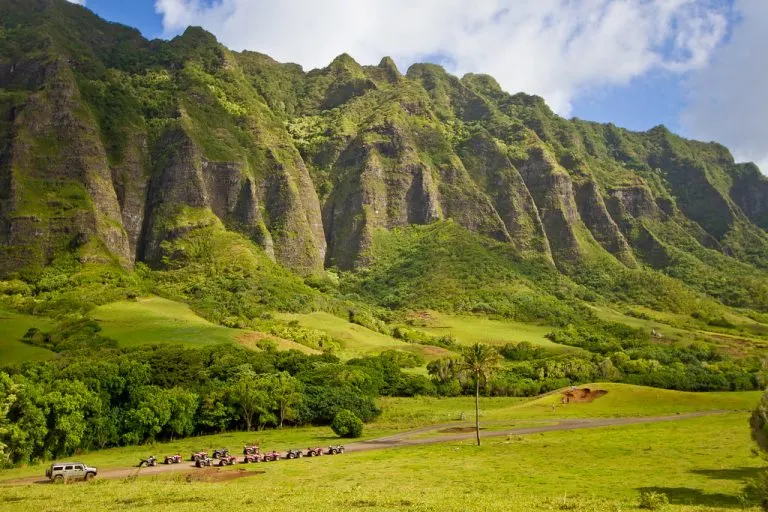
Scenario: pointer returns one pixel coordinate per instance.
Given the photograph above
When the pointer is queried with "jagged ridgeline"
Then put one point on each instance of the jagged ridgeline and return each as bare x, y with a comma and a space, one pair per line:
121, 150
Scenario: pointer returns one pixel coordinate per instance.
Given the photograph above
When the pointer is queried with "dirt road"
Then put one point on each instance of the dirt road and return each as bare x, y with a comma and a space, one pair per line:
407, 439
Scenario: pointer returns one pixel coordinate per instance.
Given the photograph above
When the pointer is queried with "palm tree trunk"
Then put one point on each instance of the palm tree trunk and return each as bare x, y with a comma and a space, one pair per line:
477, 408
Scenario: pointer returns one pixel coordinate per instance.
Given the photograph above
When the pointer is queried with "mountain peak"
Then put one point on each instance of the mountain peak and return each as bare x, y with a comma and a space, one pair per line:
344, 62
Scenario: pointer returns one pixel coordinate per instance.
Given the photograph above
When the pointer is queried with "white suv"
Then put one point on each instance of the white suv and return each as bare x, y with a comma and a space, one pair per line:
60, 471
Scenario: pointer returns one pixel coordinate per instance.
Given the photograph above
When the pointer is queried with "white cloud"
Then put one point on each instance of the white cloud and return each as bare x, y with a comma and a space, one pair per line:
727, 100
553, 48
78, 2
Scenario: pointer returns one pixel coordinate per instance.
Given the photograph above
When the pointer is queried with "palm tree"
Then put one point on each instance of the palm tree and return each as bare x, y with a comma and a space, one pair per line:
479, 360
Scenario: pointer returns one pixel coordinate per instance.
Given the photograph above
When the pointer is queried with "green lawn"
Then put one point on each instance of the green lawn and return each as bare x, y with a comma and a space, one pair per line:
359, 340
12, 328
154, 320
700, 464
471, 329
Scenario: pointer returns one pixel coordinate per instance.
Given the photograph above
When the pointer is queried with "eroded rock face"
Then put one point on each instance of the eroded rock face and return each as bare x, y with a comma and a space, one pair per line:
602, 226
294, 218
492, 171
633, 201
552, 191
750, 192
59, 184
184, 178
130, 181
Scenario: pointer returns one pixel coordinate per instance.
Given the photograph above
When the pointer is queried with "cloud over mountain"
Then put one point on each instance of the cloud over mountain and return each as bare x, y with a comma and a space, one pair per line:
554, 48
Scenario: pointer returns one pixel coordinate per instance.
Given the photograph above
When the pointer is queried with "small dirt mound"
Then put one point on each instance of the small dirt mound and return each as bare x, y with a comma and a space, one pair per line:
581, 395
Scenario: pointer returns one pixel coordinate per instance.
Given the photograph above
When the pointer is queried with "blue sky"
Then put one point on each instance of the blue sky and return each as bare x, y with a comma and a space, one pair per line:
689, 64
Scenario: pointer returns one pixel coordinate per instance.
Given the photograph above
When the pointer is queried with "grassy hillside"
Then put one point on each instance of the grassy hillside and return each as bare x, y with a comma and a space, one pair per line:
478, 329
621, 400
358, 340
12, 327
154, 320
627, 400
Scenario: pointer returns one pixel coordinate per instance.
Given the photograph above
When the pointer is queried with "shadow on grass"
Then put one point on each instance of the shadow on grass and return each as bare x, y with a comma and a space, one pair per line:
742, 474
687, 496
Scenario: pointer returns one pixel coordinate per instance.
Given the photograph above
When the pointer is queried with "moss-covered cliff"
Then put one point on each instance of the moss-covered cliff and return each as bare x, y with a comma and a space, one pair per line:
108, 142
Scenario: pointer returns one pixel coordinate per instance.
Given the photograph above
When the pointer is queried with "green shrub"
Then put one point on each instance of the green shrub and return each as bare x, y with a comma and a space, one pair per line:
652, 500
346, 424
756, 491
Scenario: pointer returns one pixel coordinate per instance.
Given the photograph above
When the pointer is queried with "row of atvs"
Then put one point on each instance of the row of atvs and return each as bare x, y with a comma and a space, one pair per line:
251, 454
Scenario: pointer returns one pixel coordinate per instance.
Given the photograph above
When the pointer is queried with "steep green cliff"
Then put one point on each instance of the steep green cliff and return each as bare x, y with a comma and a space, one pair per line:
119, 150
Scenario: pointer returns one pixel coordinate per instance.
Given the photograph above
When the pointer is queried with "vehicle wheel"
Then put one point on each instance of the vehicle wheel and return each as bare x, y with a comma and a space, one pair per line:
334, 452
89, 477
341, 451
58, 479
311, 454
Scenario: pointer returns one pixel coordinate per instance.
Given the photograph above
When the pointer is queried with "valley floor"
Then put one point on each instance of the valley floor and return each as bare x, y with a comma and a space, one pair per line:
581, 456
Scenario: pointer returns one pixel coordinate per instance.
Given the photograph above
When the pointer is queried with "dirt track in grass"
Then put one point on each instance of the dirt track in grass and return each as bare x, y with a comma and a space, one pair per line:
408, 438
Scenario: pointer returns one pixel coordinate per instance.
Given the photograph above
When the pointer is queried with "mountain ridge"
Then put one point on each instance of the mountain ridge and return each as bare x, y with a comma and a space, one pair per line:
122, 150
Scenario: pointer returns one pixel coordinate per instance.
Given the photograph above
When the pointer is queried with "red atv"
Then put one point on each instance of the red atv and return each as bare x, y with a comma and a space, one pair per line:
271, 456
173, 459
334, 450
251, 450
253, 457
314, 452
198, 455
227, 460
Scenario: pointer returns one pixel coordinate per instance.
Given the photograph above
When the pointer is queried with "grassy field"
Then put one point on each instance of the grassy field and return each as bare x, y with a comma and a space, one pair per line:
154, 320
471, 329
406, 413
12, 328
358, 340
700, 464
129, 456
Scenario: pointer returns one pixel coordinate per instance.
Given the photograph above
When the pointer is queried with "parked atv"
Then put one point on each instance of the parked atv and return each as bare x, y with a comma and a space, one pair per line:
271, 456
149, 461
250, 450
173, 459
227, 460
293, 454
203, 461
218, 454
198, 455
314, 452
253, 457
334, 450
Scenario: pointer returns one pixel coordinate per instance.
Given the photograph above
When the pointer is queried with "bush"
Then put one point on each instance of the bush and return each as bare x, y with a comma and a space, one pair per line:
756, 491
346, 424
651, 500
